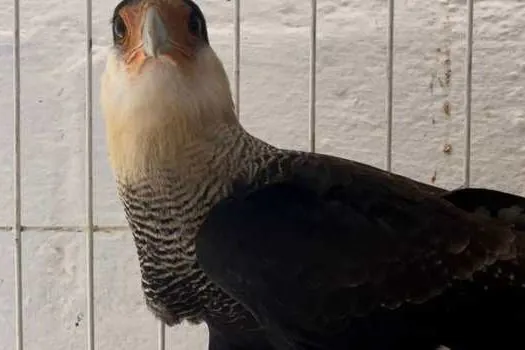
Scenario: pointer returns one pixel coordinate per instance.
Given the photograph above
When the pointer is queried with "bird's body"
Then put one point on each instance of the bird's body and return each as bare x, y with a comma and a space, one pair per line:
281, 249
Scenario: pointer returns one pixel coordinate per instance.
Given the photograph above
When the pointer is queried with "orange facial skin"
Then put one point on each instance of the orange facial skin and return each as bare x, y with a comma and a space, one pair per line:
175, 22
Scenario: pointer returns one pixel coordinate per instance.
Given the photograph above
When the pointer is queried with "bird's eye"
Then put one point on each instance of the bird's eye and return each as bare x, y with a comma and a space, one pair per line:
119, 28
194, 24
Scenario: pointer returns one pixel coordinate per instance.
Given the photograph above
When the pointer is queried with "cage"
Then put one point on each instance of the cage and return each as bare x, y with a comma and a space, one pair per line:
429, 89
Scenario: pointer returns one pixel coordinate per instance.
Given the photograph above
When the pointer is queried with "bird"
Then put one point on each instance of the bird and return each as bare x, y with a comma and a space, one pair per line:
285, 249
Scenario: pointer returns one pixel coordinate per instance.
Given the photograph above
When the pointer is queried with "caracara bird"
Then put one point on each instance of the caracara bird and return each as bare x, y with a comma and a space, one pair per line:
281, 249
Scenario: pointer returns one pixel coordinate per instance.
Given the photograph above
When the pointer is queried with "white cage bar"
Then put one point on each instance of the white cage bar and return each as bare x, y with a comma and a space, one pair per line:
237, 55
389, 84
313, 74
89, 180
90, 228
468, 89
17, 225
161, 335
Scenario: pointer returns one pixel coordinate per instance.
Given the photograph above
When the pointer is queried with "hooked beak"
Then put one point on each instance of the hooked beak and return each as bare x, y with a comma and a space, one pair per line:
154, 33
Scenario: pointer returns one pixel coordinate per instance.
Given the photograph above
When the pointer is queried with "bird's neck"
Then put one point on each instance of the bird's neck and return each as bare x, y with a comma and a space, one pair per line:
218, 152
169, 203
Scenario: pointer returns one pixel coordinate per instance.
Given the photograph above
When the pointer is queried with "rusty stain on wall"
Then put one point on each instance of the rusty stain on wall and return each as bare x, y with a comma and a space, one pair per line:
441, 76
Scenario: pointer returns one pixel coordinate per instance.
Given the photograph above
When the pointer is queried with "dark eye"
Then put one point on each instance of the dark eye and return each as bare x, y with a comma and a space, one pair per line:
194, 25
119, 28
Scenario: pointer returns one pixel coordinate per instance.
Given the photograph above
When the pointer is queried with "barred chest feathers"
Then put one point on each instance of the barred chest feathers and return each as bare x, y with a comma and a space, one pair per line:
165, 211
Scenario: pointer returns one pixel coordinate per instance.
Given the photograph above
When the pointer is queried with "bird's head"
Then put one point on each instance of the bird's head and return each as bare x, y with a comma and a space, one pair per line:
163, 87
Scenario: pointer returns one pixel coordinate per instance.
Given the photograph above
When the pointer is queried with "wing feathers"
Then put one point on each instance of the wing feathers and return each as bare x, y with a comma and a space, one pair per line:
351, 240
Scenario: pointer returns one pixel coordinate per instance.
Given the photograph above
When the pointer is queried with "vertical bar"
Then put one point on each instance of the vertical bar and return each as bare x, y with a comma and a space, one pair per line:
161, 335
237, 55
89, 177
468, 90
17, 227
313, 59
390, 83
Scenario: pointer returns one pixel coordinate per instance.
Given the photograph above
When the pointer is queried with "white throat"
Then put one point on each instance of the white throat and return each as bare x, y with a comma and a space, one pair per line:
153, 116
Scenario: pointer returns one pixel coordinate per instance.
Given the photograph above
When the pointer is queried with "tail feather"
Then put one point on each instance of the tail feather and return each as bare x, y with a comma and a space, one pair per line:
503, 206
492, 204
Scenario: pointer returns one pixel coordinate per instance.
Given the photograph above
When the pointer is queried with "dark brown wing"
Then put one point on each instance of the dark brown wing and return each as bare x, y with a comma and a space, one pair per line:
334, 241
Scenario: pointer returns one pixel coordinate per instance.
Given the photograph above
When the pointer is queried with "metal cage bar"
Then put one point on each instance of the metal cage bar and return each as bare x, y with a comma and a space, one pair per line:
161, 335
17, 226
468, 91
237, 55
89, 179
390, 84
313, 74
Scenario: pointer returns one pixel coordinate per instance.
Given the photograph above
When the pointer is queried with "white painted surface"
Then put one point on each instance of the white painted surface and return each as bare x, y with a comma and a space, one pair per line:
274, 106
